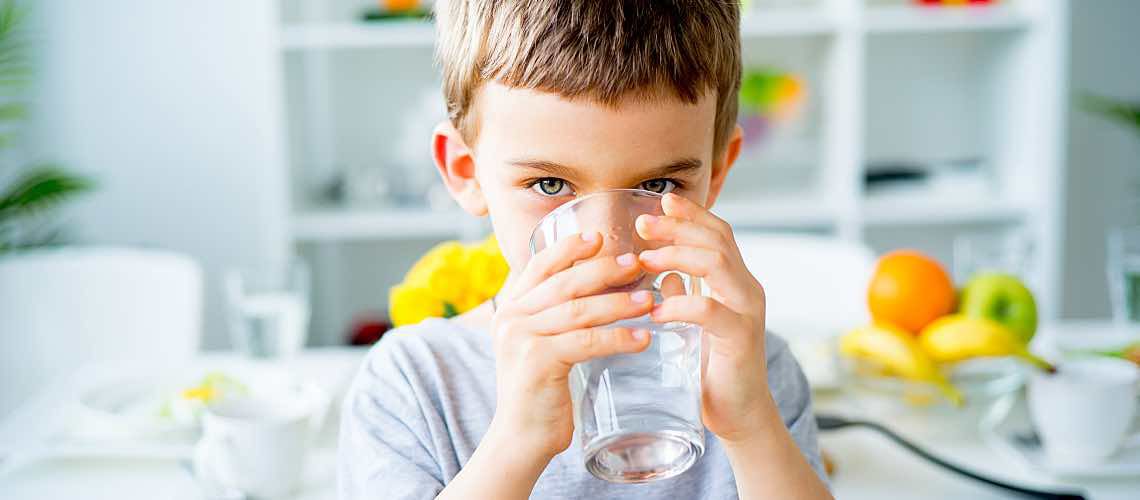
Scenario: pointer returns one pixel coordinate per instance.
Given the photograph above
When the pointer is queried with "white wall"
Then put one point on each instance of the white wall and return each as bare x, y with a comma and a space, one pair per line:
1104, 157
174, 107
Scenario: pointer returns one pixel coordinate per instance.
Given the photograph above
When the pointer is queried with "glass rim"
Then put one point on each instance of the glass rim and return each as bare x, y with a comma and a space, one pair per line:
569, 206
293, 270
1122, 233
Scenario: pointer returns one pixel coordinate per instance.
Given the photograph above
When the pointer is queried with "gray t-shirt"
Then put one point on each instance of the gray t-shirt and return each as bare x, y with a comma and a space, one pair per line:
426, 393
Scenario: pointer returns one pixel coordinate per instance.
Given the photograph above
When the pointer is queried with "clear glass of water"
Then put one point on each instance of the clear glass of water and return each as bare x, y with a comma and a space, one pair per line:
1124, 273
1005, 251
637, 416
268, 308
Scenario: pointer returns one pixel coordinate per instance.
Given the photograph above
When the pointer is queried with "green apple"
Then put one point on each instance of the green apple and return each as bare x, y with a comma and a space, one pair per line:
1002, 298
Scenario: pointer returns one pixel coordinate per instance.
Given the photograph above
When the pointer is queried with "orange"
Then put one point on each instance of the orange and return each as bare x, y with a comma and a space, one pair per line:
909, 290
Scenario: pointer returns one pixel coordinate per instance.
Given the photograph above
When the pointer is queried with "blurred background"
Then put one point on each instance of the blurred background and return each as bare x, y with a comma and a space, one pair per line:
238, 132
234, 136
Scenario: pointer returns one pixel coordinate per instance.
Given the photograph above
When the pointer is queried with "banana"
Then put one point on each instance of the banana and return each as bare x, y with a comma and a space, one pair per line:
899, 353
956, 337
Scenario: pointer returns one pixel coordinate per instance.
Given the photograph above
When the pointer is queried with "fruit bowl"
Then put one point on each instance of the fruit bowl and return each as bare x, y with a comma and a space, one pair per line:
987, 385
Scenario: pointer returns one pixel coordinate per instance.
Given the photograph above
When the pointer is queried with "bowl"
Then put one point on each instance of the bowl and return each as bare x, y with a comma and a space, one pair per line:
988, 386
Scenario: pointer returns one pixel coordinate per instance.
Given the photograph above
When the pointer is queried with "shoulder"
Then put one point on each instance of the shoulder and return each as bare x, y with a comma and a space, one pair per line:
775, 347
790, 389
785, 378
430, 342
424, 360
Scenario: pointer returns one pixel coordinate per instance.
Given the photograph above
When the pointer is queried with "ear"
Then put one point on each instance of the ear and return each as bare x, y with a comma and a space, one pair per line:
456, 167
722, 163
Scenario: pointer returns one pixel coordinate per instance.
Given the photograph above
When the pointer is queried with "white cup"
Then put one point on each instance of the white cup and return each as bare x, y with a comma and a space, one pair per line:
257, 445
1084, 411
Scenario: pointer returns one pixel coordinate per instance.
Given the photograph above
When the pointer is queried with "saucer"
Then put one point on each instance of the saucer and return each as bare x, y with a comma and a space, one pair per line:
1012, 435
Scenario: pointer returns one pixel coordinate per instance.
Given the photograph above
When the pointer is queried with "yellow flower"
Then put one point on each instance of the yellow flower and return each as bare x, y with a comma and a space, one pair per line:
409, 304
450, 279
448, 283
438, 256
203, 393
488, 270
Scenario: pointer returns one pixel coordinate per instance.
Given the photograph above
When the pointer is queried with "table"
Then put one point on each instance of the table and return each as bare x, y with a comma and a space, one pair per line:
144, 474
869, 466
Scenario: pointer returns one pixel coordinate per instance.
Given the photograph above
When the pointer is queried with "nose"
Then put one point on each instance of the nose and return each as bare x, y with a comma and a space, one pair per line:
613, 217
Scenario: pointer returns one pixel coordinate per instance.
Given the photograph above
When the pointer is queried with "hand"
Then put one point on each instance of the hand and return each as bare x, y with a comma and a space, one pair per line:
551, 317
736, 403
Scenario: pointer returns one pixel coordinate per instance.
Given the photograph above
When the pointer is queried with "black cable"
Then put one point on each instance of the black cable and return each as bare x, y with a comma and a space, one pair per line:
832, 422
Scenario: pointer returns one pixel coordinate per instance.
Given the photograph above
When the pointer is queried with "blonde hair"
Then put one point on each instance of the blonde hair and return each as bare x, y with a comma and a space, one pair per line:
601, 50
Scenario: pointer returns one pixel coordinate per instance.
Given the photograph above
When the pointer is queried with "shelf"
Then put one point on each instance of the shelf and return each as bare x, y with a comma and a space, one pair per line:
785, 22
911, 19
349, 35
777, 212
418, 33
376, 224
915, 209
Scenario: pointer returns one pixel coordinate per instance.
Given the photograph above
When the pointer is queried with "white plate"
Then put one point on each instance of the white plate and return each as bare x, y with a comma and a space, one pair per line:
1073, 338
1011, 434
125, 415
131, 407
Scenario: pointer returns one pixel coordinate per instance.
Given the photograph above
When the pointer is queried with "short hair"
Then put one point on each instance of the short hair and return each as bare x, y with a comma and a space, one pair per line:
601, 50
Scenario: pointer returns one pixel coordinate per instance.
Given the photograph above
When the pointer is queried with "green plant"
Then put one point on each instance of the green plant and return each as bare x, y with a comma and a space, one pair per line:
28, 201
1127, 113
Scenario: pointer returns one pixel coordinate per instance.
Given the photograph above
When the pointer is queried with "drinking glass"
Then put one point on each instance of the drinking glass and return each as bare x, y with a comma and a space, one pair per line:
638, 416
268, 308
1009, 252
1124, 273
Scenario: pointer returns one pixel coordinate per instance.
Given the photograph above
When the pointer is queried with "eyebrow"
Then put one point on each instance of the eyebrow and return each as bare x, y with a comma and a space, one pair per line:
682, 166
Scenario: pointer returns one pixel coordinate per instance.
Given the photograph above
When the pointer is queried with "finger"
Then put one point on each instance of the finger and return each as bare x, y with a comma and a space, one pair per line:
694, 261
586, 278
678, 231
589, 343
673, 284
732, 282
715, 318
554, 259
592, 311
675, 205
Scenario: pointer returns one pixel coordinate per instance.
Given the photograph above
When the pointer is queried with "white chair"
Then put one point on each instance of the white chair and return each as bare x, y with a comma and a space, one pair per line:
816, 288
62, 308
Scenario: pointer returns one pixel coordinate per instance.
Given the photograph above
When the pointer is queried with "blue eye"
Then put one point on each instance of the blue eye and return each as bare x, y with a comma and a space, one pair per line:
659, 185
551, 186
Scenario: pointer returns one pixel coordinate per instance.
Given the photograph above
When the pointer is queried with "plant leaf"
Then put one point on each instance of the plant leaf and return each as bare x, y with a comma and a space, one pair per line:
12, 111
40, 189
1121, 111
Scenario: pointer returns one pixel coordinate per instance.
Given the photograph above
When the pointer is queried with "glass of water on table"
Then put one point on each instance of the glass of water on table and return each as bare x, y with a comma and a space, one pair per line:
637, 416
1124, 274
268, 308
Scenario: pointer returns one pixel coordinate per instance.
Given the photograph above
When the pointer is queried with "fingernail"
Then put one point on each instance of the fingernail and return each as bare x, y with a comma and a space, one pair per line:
626, 260
650, 218
640, 334
649, 255
640, 296
590, 237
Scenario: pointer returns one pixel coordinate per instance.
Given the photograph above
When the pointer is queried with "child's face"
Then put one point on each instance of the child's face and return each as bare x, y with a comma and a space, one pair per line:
535, 151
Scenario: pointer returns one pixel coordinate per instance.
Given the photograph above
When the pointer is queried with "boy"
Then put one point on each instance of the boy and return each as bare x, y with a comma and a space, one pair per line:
549, 100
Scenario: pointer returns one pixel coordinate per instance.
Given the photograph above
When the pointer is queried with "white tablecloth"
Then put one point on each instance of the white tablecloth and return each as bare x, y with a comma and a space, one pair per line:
869, 467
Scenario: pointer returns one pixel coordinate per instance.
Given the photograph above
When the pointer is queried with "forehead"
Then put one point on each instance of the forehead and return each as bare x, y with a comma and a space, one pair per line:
637, 131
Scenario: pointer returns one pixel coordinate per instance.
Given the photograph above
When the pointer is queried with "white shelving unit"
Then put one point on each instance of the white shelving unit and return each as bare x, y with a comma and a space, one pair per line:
891, 210
889, 81
354, 225
910, 19
355, 35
